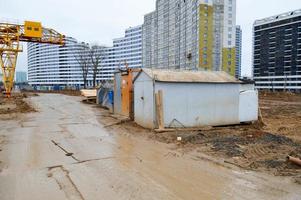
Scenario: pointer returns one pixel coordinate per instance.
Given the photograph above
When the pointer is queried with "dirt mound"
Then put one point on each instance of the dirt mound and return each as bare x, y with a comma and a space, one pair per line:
15, 104
243, 146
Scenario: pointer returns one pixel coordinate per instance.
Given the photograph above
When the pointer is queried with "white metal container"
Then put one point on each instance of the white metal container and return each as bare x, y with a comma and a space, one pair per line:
192, 99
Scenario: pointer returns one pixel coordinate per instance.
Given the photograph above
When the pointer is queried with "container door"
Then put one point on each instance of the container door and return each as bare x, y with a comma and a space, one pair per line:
125, 96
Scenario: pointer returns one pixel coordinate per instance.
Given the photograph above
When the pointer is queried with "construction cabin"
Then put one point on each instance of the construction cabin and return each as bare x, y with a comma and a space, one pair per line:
191, 99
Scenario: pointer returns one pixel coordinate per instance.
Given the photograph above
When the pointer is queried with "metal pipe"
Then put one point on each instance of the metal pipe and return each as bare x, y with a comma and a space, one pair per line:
294, 160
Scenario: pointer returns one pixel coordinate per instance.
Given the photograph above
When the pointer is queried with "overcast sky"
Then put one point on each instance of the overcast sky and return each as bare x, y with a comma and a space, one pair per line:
99, 21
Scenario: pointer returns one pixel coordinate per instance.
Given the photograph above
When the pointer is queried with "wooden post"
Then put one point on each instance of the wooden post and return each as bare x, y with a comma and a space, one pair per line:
159, 109
260, 116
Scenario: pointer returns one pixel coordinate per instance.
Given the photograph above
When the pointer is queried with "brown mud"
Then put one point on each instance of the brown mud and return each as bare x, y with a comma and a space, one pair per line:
253, 146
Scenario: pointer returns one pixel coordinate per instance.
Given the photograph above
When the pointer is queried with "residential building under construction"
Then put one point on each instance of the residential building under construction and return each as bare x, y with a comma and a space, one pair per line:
190, 34
277, 52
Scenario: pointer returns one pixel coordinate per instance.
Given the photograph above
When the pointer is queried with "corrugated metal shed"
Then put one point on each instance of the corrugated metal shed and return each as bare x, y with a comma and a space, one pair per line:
192, 99
190, 76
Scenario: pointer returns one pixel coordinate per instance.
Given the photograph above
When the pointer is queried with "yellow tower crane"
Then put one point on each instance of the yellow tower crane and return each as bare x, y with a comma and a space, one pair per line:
10, 37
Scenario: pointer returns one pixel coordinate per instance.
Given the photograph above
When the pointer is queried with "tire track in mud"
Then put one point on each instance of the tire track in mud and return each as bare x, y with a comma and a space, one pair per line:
65, 183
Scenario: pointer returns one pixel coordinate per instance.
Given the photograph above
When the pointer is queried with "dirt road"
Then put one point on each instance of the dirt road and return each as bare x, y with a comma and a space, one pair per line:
63, 152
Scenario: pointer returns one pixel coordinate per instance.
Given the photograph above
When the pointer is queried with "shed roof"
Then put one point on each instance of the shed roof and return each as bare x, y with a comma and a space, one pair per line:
190, 76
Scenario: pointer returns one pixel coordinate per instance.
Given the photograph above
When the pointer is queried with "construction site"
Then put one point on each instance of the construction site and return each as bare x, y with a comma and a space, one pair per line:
182, 127
65, 146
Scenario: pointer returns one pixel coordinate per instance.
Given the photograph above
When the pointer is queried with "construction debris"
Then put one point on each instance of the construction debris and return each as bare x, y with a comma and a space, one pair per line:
89, 93
296, 161
90, 96
15, 104
249, 146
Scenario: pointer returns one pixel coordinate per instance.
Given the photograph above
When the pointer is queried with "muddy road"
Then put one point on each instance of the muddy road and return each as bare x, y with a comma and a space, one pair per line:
64, 152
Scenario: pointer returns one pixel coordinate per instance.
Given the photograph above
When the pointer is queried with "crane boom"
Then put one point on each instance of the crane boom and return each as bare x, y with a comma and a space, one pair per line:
10, 37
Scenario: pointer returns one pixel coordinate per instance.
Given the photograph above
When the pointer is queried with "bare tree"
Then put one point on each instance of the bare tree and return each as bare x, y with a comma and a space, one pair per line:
81, 55
96, 55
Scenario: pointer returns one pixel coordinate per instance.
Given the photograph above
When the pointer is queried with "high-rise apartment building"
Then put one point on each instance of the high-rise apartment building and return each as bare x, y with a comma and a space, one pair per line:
277, 52
238, 49
190, 34
53, 65
21, 77
128, 49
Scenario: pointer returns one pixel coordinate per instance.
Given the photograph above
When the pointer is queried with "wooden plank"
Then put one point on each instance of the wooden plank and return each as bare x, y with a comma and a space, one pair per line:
89, 93
260, 116
161, 112
159, 109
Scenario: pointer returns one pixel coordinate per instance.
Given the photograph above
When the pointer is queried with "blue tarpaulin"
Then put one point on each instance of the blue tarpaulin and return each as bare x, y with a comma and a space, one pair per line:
105, 98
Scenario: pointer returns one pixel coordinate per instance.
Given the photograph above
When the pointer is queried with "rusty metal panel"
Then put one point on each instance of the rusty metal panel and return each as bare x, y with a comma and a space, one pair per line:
125, 95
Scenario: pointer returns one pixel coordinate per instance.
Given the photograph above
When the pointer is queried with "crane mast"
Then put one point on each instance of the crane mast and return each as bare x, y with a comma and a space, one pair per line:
10, 37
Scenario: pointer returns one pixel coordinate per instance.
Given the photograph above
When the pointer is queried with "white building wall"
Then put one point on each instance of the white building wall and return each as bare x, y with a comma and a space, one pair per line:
149, 43
129, 48
229, 32
238, 50
173, 29
54, 65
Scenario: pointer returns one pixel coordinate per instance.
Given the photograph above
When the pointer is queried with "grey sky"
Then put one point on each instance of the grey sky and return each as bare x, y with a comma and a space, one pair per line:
102, 20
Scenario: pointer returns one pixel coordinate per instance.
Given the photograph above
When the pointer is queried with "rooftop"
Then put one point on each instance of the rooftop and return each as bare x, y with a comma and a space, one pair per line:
190, 76
280, 17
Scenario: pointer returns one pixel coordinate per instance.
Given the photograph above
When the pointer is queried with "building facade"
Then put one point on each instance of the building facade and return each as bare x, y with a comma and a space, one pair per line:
277, 52
190, 34
21, 77
238, 50
52, 66
128, 49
